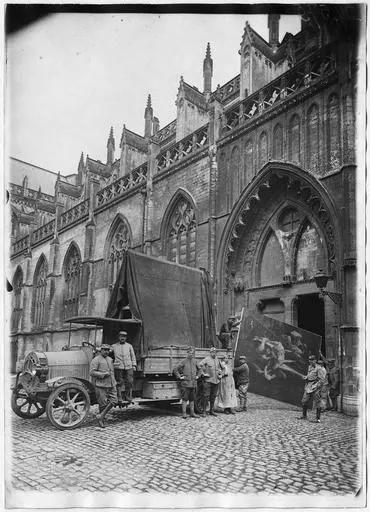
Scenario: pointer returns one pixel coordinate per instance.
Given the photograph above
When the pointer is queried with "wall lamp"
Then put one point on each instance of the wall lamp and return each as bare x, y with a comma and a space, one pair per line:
321, 281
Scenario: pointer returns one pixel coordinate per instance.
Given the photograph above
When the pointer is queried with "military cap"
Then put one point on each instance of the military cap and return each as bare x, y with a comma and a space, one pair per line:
190, 349
123, 332
242, 357
105, 346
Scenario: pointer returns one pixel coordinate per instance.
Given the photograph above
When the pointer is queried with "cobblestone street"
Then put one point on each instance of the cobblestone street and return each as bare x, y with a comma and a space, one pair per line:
264, 450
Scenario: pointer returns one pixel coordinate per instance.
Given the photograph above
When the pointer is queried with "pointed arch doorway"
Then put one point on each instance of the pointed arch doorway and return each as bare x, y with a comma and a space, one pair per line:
278, 236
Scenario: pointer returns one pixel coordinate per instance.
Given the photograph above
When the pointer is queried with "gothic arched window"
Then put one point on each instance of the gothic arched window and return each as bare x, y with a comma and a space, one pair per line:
17, 299
310, 255
294, 140
277, 143
119, 243
333, 132
272, 262
72, 277
262, 149
39, 293
313, 137
249, 161
234, 170
181, 234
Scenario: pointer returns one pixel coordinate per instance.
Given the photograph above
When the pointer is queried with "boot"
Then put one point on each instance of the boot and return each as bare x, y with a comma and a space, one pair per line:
192, 412
232, 411
304, 413
211, 406
205, 402
183, 405
101, 416
119, 396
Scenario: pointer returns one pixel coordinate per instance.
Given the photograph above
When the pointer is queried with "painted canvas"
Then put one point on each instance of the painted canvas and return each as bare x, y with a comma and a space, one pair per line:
277, 355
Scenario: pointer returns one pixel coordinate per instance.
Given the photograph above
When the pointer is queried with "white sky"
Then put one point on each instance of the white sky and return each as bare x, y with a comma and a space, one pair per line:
70, 77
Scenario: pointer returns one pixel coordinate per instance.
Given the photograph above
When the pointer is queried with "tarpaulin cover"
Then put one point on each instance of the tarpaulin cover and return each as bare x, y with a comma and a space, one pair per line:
173, 302
277, 356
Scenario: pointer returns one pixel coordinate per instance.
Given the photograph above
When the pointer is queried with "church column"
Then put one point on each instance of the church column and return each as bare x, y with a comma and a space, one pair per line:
148, 219
54, 279
86, 306
26, 323
215, 112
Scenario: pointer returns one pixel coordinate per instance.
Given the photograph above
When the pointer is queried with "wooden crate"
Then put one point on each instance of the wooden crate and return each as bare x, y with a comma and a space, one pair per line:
161, 390
163, 360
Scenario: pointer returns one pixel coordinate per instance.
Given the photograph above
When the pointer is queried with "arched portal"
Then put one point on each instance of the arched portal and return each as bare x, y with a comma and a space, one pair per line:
283, 229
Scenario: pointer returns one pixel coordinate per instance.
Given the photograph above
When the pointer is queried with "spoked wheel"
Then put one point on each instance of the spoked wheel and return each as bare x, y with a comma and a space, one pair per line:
24, 405
68, 406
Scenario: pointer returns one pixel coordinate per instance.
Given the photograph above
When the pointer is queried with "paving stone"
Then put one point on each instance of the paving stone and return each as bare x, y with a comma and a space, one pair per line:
265, 450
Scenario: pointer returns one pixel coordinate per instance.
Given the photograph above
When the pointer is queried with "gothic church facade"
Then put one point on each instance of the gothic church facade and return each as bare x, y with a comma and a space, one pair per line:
254, 180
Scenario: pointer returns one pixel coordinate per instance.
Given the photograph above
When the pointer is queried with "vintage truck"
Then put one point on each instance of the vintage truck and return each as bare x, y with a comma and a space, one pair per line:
164, 307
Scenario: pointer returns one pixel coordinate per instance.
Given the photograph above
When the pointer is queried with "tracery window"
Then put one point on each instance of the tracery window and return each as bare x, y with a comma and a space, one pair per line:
294, 139
310, 253
262, 149
277, 144
313, 137
72, 276
181, 234
17, 299
333, 132
39, 297
272, 262
120, 242
249, 161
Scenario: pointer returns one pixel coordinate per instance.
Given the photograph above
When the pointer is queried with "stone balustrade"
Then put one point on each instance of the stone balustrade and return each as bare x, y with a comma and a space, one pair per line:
43, 232
307, 73
228, 91
182, 149
20, 245
165, 133
122, 185
74, 214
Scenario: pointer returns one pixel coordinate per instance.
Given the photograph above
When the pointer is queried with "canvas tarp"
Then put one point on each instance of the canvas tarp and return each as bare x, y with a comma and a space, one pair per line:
173, 302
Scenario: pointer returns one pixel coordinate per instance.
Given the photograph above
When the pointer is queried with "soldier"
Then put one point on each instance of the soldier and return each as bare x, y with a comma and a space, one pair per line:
226, 334
102, 372
212, 373
124, 366
314, 382
241, 373
188, 372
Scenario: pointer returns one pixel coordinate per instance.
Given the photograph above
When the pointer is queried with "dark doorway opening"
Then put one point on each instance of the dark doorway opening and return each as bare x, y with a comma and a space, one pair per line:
311, 315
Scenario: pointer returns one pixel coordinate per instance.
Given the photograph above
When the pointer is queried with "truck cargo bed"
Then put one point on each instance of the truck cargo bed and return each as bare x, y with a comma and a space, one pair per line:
162, 360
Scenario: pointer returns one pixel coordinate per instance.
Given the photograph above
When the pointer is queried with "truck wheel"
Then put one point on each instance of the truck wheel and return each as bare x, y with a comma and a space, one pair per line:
24, 405
68, 406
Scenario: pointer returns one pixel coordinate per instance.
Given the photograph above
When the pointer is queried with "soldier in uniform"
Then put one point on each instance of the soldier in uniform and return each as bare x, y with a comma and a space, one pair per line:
102, 373
187, 371
124, 366
212, 373
241, 373
312, 390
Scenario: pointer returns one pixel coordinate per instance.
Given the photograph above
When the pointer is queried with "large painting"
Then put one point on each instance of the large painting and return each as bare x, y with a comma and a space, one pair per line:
277, 355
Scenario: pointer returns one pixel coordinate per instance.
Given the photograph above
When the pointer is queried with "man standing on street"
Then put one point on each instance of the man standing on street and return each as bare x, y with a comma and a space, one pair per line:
187, 372
212, 373
312, 390
124, 366
241, 373
102, 373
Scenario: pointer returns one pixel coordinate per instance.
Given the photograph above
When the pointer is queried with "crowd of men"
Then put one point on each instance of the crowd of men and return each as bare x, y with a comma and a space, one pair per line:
113, 380
209, 385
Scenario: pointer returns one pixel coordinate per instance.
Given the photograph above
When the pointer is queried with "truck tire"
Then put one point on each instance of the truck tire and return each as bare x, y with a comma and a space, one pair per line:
24, 405
68, 406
